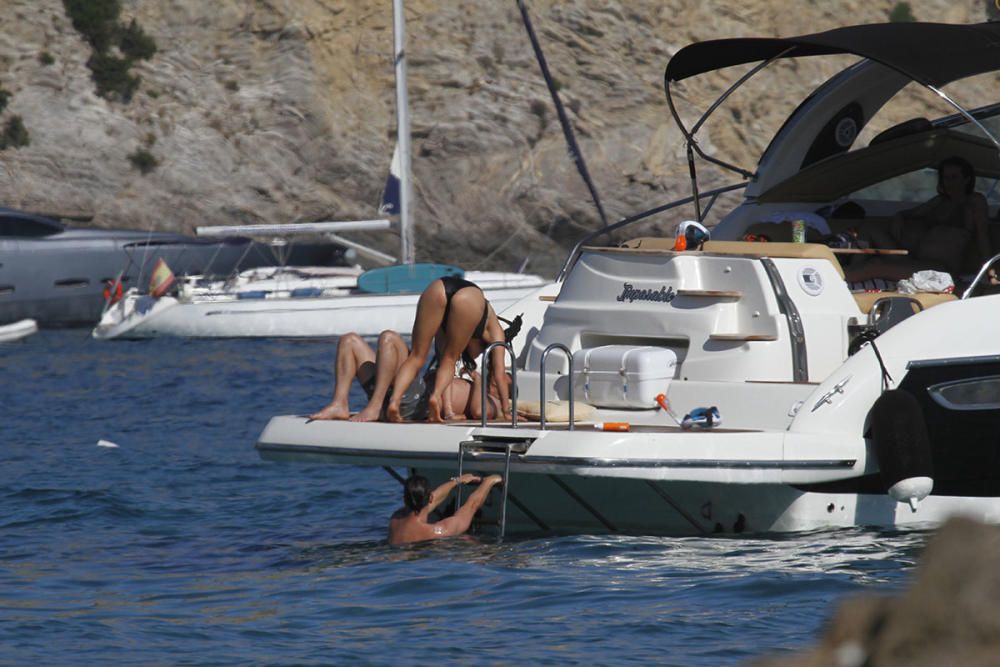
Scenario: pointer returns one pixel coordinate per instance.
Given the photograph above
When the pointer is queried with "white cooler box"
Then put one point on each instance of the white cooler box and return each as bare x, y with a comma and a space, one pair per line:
622, 376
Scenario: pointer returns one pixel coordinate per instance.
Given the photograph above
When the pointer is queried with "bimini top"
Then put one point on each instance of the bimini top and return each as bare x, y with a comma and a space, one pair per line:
933, 54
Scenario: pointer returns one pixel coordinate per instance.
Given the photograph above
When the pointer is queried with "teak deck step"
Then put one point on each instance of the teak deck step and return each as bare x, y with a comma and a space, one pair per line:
742, 337
711, 293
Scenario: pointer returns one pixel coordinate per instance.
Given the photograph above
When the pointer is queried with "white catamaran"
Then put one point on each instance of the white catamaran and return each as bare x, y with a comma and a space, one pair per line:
837, 408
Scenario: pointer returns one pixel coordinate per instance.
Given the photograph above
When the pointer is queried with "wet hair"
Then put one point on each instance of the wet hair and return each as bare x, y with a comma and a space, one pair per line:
416, 493
968, 172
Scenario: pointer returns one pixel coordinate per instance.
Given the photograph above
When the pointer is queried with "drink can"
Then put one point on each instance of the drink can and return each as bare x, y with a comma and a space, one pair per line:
798, 231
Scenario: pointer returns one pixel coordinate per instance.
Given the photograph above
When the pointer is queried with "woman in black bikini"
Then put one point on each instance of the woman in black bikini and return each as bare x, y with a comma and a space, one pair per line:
454, 315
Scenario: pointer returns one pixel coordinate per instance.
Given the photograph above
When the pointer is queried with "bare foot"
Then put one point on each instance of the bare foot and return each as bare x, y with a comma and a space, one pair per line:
369, 414
332, 411
392, 412
434, 409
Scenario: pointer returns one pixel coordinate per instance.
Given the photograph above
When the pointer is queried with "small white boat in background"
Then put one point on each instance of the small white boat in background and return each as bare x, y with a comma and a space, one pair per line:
18, 330
295, 303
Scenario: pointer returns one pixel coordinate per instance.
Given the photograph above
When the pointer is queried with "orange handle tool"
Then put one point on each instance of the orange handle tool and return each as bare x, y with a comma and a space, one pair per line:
612, 426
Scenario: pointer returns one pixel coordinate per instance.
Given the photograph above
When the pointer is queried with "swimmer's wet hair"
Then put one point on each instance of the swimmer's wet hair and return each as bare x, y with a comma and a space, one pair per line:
416, 493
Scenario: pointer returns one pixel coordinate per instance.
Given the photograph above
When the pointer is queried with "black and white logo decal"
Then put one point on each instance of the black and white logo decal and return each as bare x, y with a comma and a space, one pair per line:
663, 295
811, 281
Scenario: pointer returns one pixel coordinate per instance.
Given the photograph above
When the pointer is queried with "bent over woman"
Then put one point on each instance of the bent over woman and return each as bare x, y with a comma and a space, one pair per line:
455, 316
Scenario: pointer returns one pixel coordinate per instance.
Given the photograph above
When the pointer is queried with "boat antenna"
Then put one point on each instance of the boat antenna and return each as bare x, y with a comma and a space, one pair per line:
406, 250
574, 149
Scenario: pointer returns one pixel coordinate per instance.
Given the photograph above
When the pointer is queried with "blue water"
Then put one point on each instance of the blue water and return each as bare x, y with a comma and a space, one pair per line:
182, 547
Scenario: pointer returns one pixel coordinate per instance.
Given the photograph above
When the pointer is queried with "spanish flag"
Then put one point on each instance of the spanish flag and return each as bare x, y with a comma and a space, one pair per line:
160, 279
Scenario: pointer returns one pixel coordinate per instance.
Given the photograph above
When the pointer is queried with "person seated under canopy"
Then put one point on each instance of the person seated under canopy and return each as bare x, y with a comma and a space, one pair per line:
948, 233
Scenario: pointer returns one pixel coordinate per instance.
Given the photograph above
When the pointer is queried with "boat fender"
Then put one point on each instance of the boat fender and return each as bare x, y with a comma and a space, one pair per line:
112, 297
902, 447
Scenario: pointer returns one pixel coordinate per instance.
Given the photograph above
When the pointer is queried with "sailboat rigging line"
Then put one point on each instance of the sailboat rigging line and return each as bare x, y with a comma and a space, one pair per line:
636, 218
236, 267
482, 263
145, 251
574, 149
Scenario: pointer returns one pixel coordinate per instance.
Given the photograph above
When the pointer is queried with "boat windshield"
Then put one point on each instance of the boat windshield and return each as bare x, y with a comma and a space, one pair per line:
921, 185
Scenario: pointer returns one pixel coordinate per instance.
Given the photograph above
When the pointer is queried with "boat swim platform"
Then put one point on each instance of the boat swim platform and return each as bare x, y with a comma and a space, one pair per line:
649, 451
583, 426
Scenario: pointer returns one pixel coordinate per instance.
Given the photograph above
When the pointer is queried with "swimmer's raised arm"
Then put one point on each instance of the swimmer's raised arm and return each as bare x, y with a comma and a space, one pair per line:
440, 494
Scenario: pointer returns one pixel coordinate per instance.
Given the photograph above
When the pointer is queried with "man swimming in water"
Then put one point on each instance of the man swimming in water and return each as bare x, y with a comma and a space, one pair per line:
410, 523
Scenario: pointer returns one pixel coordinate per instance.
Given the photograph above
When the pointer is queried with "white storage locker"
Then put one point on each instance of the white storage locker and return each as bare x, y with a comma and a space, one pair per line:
622, 376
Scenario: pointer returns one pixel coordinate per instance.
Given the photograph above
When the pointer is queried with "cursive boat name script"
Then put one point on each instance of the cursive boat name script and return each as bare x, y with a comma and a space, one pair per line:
663, 295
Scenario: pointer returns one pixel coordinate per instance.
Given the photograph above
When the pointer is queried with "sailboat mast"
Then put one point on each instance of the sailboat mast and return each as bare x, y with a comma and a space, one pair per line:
406, 250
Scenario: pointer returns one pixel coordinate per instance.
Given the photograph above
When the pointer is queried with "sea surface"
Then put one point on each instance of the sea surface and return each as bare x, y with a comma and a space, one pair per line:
180, 546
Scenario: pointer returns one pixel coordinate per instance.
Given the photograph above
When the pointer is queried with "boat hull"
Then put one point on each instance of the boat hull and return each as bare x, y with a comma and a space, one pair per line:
364, 314
17, 330
661, 481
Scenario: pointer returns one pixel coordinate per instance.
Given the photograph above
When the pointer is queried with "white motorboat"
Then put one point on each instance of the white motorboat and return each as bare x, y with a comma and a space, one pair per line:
17, 330
836, 409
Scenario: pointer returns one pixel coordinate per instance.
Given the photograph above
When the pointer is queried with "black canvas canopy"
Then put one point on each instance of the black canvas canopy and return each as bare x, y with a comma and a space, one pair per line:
930, 53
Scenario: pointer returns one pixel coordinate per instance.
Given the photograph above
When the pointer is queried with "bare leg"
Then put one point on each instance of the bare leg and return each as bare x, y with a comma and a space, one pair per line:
456, 399
430, 313
353, 353
466, 310
388, 357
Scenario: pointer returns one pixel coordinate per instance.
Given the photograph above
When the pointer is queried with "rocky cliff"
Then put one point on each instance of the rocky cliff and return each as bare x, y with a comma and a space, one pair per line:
283, 110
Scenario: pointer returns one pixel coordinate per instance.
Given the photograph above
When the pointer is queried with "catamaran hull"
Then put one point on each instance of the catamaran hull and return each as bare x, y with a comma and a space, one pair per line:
660, 482
367, 315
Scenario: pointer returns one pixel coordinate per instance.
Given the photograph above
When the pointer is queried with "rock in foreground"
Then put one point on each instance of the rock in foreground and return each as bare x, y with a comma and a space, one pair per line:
950, 615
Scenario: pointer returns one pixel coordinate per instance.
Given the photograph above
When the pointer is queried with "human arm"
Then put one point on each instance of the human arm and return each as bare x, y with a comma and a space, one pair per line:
440, 494
459, 522
498, 364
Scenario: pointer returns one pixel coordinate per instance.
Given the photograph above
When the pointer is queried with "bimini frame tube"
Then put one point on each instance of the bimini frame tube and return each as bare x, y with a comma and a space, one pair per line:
692, 141
962, 110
